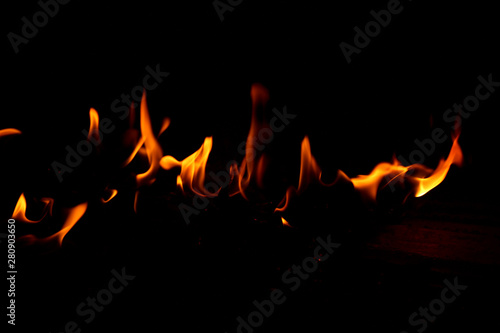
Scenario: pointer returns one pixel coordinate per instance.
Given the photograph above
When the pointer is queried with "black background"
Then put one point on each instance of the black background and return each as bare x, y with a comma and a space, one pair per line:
356, 115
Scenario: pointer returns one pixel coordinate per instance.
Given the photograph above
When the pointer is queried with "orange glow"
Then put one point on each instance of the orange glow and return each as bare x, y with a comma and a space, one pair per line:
153, 149
112, 194
94, 125
192, 167
9, 131
252, 162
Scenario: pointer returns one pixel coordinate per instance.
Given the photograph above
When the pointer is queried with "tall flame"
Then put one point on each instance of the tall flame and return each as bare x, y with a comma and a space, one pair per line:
193, 168
253, 164
153, 149
94, 125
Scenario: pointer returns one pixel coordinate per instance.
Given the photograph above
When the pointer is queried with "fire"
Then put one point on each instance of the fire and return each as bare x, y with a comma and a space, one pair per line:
193, 167
9, 131
72, 216
253, 165
454, 157
310, 172
285, 222
368, 185
153, 148
94, 125
19, 213
112, 194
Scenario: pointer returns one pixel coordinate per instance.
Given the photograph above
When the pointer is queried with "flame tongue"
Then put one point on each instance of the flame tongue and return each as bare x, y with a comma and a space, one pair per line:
19, 213
153, 149
192, 169
253, 165
94, 125
368, 185
454, 157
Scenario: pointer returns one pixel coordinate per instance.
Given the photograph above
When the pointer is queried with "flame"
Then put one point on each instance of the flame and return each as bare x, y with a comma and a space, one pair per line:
94, 125
9, 131
454, 157
19, 213
73, 216
153, 149
285, 222
192, 169
252, 162
164, 125
368, 185
112, 194
310, 172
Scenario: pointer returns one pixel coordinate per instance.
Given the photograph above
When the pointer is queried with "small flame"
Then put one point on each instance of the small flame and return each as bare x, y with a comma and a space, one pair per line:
94, 125
153, 149
19, 213
285, 222
73, 216
310, 172
112, 194
192, 169
9, 131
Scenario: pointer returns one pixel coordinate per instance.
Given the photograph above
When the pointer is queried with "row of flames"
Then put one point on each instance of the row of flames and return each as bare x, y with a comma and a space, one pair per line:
191, 178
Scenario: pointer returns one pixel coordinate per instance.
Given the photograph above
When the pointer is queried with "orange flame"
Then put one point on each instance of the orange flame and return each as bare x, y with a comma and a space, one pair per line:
19, 213
252, 163
310, 172
112, 194
73, 216
9, 131
285, 222
153, 149
192, 169
94, 125
454, 157
368, 185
